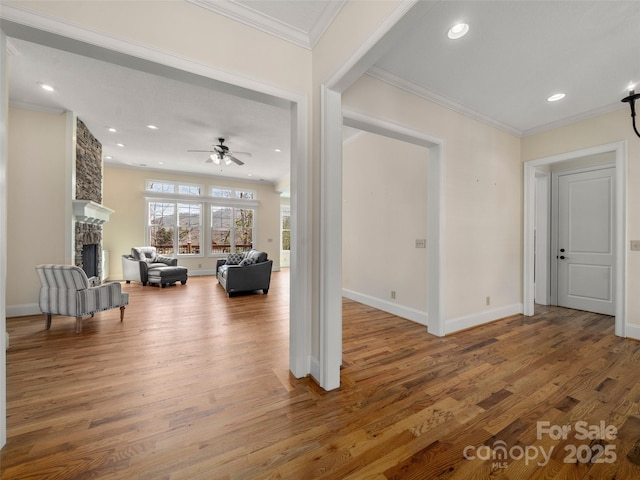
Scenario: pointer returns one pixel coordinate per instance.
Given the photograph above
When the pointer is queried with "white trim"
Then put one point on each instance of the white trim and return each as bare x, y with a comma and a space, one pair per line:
620, 150
375, 45
418, 316
633, 331
80, 33
574, 119
301, 268
301, 304
330, 239
435, 204
4, 120
23, 310
438, 99
272, 26
70, 186
476, 319
423, 92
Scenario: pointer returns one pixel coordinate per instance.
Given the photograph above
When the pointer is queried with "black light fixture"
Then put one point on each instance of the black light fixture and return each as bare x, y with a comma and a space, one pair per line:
631, 99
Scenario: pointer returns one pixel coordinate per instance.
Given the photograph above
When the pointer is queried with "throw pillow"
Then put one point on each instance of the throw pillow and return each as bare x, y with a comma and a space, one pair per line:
235, 258
247, 261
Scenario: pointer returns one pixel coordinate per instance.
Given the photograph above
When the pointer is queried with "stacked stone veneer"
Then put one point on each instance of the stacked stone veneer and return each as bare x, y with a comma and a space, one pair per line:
88, 187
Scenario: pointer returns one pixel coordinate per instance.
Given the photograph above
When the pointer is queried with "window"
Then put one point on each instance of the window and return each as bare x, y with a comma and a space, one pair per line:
153, 186
178, 226
174, 226
189, 222
162, 226
231, 229
226, 192
285, 229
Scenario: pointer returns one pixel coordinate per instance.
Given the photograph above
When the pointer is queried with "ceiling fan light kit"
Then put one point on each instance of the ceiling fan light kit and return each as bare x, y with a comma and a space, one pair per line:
221, 153
631, 100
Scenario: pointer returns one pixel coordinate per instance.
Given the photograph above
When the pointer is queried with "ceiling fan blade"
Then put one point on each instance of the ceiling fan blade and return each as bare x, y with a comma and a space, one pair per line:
234, 159
242, 153
202, 151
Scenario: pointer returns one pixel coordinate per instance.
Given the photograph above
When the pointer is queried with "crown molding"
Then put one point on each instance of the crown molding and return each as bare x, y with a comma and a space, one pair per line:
272, 26
36, 107
329, 14
574, 119
434, 97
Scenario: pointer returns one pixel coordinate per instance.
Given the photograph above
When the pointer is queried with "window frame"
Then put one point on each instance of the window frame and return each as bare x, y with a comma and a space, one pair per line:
174, 196
207, 203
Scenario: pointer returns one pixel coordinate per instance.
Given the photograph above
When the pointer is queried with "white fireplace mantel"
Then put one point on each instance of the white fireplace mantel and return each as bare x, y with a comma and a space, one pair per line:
87, 211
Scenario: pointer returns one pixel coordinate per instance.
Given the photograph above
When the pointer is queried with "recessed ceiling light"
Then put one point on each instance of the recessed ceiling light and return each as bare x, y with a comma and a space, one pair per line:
46, 87
120, 144
152, 127
108, 157
160, 163
277, 150
556, 97
249, 174
112, 130
458, 31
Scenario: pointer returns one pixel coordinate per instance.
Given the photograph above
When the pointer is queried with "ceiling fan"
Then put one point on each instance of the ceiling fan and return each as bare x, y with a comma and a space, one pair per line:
221, 154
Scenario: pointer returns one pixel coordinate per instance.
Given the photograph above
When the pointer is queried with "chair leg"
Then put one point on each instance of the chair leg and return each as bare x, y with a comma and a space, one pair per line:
78, 324
47, 321
122, 313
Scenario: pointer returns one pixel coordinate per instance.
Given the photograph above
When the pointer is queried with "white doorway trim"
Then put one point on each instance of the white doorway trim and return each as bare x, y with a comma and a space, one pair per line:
435, 204
396, 24
4, 120
301, 225
620, 151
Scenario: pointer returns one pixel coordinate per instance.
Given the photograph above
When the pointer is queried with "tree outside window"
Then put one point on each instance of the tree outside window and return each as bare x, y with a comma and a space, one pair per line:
285, 228
162, 226
231, 229
243, 229
189, 221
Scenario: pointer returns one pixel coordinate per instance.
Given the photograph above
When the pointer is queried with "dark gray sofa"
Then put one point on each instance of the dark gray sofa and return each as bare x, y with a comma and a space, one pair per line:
245, 272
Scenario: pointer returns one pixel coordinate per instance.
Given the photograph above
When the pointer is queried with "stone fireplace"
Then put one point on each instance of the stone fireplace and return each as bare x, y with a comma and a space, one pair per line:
88, 210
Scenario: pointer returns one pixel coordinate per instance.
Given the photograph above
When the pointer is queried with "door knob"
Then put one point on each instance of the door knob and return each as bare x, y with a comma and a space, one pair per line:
562, 249
562, 257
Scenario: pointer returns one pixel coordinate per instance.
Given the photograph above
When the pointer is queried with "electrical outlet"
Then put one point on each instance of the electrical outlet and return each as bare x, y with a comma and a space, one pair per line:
488, 300
393, 294
199, 265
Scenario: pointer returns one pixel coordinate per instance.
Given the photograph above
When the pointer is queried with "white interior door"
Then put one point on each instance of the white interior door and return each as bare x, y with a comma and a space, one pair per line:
586, 255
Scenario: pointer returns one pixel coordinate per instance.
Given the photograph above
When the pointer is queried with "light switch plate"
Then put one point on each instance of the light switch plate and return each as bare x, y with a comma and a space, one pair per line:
635, 245
421, 243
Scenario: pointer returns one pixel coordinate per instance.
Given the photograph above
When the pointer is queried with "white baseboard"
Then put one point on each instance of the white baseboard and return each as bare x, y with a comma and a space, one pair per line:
23, 310
386, 306
202, 273
473, 320
314, 369
632, 331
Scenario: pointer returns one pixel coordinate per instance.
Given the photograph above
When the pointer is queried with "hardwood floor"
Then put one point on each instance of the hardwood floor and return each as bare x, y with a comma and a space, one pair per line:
194, 385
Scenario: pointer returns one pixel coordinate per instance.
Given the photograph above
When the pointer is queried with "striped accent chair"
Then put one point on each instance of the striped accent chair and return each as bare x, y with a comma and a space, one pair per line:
66, 290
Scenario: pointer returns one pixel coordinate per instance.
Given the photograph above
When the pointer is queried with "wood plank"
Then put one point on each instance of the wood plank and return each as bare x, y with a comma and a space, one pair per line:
195, 385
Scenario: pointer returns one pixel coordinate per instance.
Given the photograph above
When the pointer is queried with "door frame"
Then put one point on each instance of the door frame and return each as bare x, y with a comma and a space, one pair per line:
530, 167
555, 224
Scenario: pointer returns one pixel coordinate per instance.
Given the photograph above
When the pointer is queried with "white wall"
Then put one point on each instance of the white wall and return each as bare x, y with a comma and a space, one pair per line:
37, 197
123, 191
601, 130
384, 212
482, 197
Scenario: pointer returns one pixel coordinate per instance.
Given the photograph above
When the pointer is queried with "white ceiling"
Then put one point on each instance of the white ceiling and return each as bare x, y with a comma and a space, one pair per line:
515, 55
